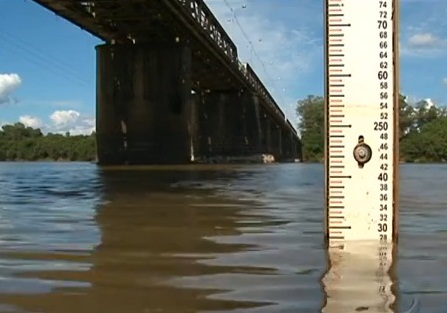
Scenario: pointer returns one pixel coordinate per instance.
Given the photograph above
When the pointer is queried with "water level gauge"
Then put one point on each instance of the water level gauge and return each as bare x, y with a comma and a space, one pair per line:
361, 119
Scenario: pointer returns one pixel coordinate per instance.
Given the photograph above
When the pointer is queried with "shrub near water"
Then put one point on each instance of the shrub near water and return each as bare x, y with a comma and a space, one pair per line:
422, 130
20, 143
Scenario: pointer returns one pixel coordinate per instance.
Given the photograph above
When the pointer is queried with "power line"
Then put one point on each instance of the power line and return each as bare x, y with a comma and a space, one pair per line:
43, 54
253, 50
41, 59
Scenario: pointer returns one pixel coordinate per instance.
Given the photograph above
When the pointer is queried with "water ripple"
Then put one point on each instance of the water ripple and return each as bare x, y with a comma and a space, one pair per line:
77, 238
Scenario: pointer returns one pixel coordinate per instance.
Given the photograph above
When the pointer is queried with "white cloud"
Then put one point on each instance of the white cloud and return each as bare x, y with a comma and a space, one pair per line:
425, 44
445, 81
426, 40
62, 122
8, 84
64, 117
71, 121
429, 103
31, 121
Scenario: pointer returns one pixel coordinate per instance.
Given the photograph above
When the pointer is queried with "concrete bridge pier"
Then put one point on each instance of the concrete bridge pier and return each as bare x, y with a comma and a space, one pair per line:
211, 123
229, 124
287, 145
253, 121
266, 132
298, 147
293, 150
193, 125
276, 141
144, 107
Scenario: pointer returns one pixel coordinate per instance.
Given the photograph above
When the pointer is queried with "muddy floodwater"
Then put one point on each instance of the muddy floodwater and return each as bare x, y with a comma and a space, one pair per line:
78, 238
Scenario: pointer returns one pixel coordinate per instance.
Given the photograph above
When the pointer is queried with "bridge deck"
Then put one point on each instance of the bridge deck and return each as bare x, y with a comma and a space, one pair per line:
121, 21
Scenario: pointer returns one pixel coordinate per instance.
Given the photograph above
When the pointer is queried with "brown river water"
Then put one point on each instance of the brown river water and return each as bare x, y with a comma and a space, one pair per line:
78, 238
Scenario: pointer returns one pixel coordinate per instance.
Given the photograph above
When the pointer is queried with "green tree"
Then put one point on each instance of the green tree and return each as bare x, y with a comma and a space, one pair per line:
18, 142
422, 130
428, 144
311, 125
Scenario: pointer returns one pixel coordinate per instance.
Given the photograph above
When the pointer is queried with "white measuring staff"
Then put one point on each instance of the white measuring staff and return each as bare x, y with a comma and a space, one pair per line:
361, 120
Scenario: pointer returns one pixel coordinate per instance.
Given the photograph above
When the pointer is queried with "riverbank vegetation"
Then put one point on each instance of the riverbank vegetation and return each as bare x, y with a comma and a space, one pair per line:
21, 143
422, 130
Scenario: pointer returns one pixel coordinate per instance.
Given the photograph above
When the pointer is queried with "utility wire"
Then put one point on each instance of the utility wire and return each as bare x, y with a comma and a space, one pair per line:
43, 54
253, 50
50, 64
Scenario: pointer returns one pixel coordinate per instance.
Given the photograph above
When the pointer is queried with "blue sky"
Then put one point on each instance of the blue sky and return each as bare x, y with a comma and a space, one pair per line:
47, 65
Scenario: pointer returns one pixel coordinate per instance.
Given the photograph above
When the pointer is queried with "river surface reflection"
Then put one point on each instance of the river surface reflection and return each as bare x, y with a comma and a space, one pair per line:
78, 238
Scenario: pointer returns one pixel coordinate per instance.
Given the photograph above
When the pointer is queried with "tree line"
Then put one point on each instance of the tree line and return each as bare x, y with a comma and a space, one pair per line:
21, 143
422, 130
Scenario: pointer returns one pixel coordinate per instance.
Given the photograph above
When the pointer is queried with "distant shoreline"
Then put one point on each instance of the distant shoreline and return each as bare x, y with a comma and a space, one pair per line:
95, 161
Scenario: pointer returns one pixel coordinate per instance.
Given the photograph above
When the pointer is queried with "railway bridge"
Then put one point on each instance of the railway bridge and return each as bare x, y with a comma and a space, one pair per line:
170, 86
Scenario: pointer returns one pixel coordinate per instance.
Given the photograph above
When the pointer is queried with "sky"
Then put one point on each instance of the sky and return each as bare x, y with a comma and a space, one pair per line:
48, 66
